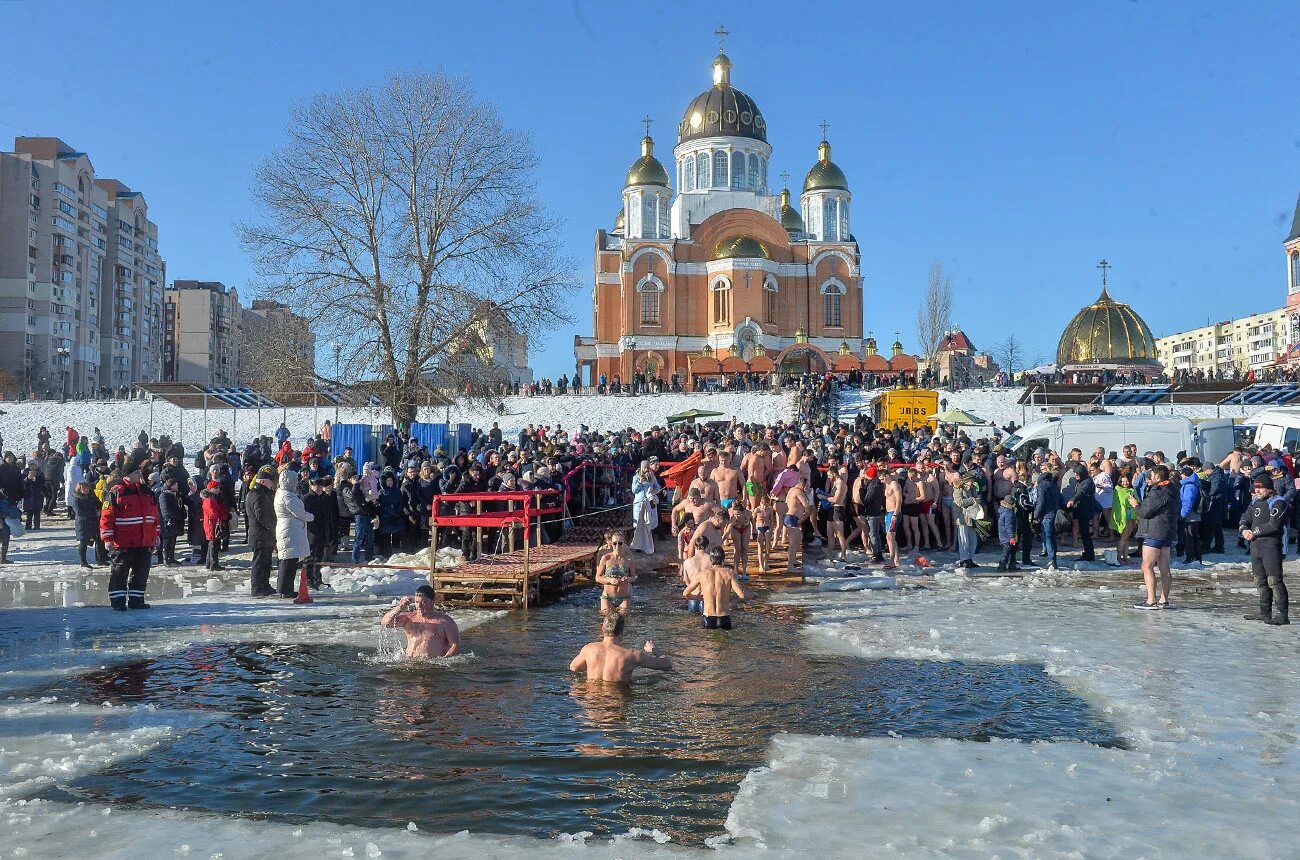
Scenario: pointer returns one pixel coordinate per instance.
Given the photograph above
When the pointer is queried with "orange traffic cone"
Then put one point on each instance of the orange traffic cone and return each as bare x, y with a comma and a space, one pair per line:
303, 596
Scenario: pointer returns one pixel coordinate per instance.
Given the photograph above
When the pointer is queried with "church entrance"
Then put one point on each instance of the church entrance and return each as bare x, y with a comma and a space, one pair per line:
802, 358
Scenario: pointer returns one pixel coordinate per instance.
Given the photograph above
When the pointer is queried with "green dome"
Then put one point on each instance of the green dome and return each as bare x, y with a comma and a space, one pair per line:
740, 246
791, 220
647, 170
825, 175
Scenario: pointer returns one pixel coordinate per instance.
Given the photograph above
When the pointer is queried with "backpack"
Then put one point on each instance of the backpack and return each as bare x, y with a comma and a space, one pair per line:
1203, 501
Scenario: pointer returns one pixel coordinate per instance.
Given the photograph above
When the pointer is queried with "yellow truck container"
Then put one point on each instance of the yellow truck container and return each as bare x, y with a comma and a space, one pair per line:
905, 407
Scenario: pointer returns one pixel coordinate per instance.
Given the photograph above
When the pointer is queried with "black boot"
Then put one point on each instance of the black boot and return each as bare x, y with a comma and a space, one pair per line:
117, 602
1280, 618
135, 600
1265, 612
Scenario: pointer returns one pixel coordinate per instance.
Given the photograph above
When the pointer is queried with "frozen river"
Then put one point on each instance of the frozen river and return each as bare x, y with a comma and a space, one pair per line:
950, 717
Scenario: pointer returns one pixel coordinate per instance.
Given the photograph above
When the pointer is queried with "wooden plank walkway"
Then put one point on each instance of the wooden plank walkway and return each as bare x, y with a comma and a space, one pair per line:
499, 580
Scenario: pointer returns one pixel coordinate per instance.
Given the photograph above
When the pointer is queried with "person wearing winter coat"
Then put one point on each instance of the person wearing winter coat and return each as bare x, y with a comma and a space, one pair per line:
320, 531
215, 522
1083, 506
391, 518
1007, 533
1047, 504
281, 434
73, 473
291, 520
259, 511
171, 522
33, 497
85, 512
1189, 514
1216, 511
11, 478
54, 468
968, 501
1157, 529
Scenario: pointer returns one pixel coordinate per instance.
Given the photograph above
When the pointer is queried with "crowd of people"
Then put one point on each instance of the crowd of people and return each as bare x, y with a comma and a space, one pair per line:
892, 492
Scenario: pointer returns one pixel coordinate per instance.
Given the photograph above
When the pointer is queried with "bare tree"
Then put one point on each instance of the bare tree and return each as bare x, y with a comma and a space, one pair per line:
1010, 354
277, 354
934, 316
399, 218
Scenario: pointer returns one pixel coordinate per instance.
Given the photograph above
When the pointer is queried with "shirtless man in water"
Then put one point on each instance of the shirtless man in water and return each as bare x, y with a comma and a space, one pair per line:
429, 633
608, 660
715, 585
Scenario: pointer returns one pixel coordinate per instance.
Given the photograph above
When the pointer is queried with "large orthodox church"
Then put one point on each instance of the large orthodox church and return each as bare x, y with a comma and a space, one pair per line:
721, 275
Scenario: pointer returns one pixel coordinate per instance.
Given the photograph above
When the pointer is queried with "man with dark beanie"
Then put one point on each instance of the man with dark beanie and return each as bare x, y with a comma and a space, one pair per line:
1262, 525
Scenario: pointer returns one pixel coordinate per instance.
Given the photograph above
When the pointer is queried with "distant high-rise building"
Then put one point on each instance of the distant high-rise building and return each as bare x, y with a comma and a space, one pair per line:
280, 348
80, 276
202, 323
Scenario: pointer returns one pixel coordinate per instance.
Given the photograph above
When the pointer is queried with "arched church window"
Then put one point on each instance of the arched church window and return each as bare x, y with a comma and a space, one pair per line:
762, 174
689, 184
769, 302
844, 221
1295, 271
663, 217
832, 301
650, 291
721, 303
702, 170
814, 214
719, 169
755, 183
738, 171
649, 217
829, 220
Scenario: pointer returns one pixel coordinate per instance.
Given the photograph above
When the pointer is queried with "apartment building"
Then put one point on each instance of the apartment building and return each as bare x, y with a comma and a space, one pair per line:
1250, 343
80, 274
202, 333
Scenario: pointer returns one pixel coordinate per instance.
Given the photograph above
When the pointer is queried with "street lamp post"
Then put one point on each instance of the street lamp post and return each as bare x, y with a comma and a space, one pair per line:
64, 353
338, 350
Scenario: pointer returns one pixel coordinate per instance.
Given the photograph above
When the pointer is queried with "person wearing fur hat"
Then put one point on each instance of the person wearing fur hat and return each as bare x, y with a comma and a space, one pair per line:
259, 511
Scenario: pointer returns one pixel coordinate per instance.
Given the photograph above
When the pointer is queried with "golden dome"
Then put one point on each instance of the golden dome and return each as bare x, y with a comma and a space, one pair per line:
1106, 332
722, 110
791, 220
619, 222
824, 175
647, 170
740, 246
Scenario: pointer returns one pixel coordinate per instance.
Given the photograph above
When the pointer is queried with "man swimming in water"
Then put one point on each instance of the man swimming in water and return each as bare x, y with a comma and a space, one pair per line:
715, 585
608, 660
429, 632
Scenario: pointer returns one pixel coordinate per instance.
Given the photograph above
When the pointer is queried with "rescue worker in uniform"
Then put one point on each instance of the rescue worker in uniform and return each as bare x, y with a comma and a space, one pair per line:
128, 525
1262, 525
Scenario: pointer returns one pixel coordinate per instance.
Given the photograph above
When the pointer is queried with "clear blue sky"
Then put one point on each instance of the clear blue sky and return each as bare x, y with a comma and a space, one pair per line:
1018, 143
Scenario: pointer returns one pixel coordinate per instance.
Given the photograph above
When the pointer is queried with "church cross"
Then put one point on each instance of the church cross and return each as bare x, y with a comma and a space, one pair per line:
747, 280
825, 125
722, 33
1103, 265
647, 120
785, 178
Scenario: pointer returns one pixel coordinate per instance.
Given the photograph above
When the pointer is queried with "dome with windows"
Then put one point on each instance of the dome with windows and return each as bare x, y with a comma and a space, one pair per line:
825, 175
1107, 333
722, 110
791, 220
647, 170
740, 246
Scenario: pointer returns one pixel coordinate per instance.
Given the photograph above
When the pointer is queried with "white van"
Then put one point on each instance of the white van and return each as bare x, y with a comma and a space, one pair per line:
1278, 427
1209, 440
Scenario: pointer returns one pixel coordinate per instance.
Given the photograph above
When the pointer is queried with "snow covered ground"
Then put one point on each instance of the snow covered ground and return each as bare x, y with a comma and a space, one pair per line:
1208, 705
121, 421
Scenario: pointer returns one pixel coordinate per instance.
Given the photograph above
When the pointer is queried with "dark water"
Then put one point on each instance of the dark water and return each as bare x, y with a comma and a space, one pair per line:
507, 741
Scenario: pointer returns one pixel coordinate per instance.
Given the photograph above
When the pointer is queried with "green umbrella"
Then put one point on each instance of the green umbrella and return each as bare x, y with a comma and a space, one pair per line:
957, 416
691, 415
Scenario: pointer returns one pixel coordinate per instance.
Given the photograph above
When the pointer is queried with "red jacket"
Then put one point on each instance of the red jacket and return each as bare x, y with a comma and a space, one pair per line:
285, 454
215, 513
130, 517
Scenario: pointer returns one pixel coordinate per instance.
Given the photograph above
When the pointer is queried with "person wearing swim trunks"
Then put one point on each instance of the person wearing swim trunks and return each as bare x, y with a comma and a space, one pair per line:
715, 585
797, 509
616, 571
893, 515
764, 519
837, 493
727, 478
691, 568
912, 509
694, 505
787, 478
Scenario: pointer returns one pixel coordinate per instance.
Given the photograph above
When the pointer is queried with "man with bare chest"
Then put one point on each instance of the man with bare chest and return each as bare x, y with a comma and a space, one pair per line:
429, 632
608, 661
727, 478
715, 585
